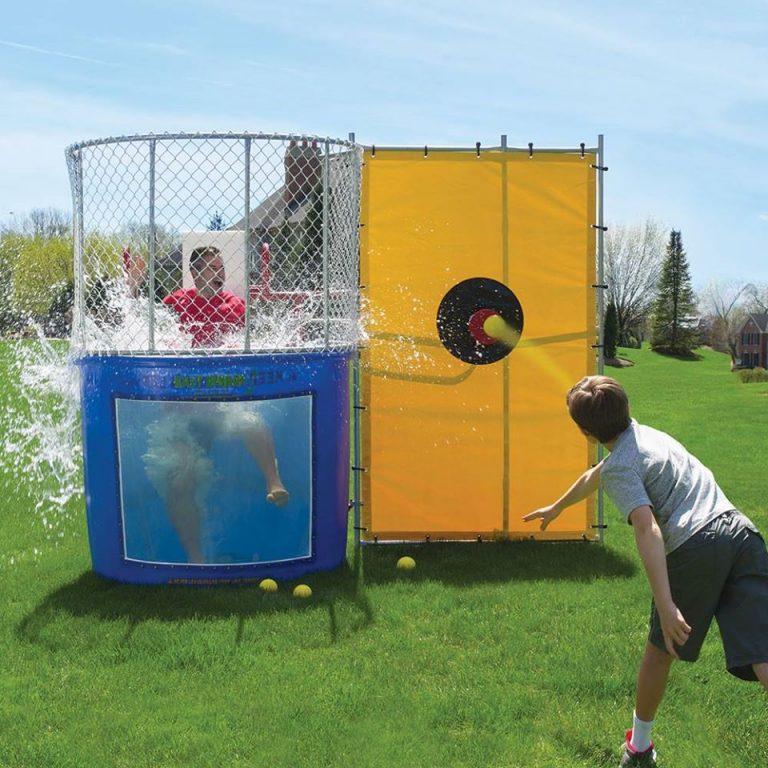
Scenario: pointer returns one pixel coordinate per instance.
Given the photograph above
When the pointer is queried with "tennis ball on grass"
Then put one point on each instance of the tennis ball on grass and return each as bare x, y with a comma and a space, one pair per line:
268, 585
302, 590
406, 563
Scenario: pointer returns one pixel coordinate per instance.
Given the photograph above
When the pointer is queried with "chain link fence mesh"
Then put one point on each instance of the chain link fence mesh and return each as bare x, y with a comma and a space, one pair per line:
215, 243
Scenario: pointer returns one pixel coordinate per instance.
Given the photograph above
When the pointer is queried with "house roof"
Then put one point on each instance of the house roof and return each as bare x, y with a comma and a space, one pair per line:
272, 212
760, 320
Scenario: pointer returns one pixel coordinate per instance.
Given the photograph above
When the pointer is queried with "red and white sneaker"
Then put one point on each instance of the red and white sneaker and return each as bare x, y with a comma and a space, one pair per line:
631, 756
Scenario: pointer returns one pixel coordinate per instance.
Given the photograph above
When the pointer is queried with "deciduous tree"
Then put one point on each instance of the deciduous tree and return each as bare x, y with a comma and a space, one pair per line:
725, 304
633, 257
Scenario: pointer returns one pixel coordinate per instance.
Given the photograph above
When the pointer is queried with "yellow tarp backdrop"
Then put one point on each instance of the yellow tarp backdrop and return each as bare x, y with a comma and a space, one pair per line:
453, 450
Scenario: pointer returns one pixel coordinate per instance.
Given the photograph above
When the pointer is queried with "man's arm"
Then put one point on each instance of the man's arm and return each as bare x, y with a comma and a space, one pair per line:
586, 485
135, 270
650, 545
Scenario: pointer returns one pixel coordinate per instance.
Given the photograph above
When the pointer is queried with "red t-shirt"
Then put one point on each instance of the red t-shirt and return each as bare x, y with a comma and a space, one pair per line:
207, 320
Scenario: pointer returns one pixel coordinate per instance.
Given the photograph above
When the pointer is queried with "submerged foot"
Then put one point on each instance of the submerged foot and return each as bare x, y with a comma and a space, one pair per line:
278, 496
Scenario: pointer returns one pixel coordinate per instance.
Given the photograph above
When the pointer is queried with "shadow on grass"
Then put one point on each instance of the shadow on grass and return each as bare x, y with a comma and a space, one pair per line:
463, 563
342, 591
683, 357
91, 596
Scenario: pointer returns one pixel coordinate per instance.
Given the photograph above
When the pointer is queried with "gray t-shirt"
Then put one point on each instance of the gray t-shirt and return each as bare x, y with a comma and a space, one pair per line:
648, 467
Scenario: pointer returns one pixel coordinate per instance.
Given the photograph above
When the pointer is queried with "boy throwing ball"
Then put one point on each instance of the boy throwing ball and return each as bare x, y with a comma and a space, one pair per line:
703, 558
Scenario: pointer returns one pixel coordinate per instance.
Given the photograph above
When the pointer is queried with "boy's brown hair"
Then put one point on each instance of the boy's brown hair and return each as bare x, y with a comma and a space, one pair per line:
201, 253
599, 405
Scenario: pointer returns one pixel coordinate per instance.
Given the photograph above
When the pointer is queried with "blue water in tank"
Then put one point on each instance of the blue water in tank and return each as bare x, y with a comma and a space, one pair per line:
177, 458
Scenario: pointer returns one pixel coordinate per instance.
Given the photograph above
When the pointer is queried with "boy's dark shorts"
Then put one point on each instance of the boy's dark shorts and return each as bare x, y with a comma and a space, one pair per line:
721, 571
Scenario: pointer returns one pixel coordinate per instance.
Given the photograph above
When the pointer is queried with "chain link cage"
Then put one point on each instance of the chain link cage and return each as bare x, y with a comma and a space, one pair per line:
215, 243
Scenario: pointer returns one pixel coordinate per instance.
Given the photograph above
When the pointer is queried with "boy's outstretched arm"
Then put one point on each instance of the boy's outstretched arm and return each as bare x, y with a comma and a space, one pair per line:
587, 484
650, 545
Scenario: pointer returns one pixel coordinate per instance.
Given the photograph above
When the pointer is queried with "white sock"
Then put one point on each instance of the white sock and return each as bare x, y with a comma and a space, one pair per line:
641, 733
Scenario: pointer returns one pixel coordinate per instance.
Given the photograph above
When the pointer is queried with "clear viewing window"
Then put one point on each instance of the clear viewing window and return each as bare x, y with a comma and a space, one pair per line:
216, 483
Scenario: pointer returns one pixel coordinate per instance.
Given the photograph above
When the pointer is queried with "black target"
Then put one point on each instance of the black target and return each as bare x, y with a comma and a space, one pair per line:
462, 312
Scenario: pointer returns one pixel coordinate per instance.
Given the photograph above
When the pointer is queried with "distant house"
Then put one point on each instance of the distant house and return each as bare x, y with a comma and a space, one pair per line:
289, 204
753, 342
289, 221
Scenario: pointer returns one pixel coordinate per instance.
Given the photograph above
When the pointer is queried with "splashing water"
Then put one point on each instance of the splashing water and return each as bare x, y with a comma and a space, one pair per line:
295, 321
42, 453
42, 458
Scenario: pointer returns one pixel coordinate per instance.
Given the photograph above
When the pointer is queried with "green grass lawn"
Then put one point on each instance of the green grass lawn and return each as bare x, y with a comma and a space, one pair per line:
496, 654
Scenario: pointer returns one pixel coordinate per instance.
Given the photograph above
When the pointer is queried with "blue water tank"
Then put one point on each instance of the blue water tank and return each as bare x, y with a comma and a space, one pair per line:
210, 469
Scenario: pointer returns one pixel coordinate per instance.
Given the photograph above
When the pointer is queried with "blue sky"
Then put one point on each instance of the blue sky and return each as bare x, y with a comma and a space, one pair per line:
680, 91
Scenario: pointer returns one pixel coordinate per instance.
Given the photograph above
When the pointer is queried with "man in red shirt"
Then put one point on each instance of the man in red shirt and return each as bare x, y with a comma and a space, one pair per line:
208, 313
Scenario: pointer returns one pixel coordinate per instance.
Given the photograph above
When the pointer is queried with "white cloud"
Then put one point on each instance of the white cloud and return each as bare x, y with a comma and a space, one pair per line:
764, 216
49, 52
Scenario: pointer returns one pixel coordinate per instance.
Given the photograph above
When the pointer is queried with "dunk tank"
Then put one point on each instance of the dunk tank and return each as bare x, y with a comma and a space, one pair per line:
215, 318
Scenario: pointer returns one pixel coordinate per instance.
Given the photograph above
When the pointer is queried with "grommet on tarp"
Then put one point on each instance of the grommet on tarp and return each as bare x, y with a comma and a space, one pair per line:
582, 145
477, 148
530, 149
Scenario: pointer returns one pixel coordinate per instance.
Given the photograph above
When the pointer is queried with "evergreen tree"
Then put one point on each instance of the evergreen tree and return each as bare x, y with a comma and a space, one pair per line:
673, 331
216, 224
610, 331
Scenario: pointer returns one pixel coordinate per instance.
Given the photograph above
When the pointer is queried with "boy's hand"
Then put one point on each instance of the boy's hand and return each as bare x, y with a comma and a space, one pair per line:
674, 628
545, 514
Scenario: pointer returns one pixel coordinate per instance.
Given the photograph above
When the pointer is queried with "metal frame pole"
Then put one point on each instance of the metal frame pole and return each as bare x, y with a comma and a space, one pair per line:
77, 228
600, 299
247, 241
76, 174
152, 244
326, 291
356, 389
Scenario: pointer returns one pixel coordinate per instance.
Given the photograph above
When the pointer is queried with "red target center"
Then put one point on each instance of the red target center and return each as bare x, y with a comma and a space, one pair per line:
476, 330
